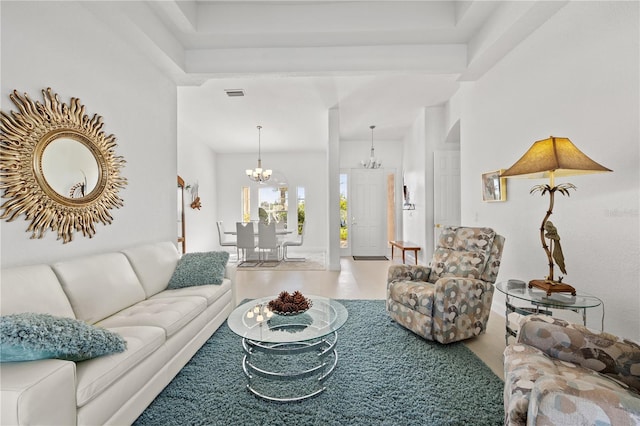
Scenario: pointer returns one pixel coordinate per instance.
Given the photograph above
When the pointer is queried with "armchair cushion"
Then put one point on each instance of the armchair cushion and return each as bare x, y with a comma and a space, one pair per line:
452, 263
462, 252
417, 295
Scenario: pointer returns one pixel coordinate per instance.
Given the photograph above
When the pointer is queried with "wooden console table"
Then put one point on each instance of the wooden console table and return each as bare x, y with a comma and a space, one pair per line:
404, 246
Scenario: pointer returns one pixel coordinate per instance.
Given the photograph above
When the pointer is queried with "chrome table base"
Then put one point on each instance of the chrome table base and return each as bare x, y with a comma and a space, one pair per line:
324, 364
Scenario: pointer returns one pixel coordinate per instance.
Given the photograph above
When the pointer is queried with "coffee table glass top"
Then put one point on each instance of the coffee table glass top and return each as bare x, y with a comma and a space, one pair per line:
536, 296
254, 321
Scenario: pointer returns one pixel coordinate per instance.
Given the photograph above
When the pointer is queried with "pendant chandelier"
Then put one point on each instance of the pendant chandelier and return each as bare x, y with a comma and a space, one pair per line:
371, 163
258, 174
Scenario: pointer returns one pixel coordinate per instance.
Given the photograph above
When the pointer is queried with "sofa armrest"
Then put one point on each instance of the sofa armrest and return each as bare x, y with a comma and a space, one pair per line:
230, 273
599, 351
408, 273
38, 392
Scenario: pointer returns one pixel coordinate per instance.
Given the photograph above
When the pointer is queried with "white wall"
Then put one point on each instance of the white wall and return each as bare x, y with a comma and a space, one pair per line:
196, 165
576, 77
415, 166
63, 46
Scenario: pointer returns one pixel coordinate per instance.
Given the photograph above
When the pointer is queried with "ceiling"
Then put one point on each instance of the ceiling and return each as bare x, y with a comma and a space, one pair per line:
377, 62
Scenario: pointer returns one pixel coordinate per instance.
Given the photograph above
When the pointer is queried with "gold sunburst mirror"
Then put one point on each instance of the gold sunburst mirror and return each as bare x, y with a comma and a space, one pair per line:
57, 167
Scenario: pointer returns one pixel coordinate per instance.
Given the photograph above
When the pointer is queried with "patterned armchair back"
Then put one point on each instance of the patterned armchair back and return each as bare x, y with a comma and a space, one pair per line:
467, 252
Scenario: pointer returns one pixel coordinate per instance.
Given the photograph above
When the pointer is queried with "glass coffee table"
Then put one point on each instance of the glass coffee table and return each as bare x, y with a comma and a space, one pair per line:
288, 357
540, 303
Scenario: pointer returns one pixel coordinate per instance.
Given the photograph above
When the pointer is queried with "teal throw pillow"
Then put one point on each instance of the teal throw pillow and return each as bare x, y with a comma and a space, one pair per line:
31, 336
199, 269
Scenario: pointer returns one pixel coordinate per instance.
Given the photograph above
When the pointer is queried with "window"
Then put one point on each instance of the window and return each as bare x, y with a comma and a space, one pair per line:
300, 208
273, 204
344, 213
246, 204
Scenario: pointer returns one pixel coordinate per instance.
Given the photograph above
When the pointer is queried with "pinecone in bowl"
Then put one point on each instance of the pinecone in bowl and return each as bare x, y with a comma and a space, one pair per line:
287, 303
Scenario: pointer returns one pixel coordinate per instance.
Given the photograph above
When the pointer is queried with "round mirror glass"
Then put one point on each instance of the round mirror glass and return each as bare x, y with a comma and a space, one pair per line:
70, 168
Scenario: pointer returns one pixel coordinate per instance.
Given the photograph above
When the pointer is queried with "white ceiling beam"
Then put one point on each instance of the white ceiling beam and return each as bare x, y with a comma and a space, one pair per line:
510, 24
183, 13
295, 17
135, 23
435, 59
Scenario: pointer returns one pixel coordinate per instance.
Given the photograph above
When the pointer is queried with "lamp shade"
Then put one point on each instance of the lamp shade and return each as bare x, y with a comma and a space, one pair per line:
557, 155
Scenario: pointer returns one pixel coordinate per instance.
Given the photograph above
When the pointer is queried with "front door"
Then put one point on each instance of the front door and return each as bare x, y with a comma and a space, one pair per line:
368, 212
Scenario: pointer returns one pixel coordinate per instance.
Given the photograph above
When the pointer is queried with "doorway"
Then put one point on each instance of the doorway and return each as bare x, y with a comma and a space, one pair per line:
368, 212
446, 193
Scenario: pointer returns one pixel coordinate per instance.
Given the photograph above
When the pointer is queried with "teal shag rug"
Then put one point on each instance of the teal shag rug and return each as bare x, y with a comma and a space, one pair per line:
386, 375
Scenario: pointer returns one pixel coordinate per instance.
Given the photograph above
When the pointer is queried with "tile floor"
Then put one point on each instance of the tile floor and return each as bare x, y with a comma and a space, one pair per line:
359, 280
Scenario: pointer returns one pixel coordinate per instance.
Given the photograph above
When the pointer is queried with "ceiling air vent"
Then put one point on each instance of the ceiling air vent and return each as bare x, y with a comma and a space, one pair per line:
234, 92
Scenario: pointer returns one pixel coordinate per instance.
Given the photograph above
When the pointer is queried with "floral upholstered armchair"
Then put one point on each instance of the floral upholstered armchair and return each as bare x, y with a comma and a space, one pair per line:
558, 373
450, 299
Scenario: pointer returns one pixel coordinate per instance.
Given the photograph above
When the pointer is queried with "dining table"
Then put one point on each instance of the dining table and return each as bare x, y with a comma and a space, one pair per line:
278, 232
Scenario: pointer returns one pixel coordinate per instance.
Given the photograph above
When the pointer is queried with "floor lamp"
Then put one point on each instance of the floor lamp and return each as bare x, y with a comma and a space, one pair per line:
551, 158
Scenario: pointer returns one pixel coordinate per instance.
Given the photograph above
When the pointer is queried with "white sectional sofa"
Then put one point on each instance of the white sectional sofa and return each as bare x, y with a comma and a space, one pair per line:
124, 292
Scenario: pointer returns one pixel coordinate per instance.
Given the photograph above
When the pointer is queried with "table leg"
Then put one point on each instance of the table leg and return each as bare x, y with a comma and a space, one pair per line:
325, 363
507, 304
392, 251
403, 251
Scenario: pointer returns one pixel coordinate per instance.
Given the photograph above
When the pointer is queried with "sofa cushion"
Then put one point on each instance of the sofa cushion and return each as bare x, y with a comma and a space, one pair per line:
602, 352
199, 269
95, 375
99, 286
528, 368
154, 264
30, 336
209, 292
33, 289
168, 313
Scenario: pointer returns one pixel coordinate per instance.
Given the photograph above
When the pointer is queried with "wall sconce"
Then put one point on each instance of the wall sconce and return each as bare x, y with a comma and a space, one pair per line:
195, 199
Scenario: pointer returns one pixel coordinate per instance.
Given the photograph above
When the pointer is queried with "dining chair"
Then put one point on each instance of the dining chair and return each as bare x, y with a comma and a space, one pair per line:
224, 240
245, 239
297, 242
268, 240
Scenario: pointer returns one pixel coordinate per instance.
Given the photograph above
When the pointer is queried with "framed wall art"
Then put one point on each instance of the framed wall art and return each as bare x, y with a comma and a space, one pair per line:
494, 188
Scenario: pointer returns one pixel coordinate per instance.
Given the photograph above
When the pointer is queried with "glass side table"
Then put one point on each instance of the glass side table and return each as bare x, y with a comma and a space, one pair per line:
540, 303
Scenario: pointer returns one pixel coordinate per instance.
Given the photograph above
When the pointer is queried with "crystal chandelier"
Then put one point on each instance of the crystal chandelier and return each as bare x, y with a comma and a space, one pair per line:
371, 163
257, 174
